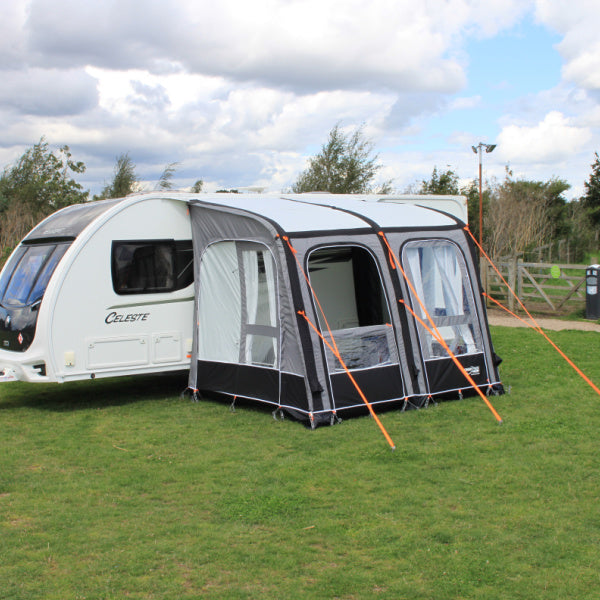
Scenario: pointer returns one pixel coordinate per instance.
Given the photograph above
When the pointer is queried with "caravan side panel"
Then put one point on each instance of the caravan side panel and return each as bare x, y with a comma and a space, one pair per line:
97, 331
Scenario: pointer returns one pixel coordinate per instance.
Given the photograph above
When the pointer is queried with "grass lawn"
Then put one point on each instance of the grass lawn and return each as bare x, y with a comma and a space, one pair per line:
121, 489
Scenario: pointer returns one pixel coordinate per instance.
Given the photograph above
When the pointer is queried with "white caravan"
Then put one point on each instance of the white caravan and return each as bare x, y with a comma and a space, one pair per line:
107, 288
98, 290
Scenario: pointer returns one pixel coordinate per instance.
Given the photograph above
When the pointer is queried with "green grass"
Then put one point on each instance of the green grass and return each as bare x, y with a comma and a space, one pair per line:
121, 489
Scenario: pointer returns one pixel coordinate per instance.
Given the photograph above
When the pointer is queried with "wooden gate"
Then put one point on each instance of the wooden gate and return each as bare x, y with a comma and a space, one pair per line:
557, 287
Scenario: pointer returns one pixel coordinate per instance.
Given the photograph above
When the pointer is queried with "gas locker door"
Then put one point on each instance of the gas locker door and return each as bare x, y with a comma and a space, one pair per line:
167, 347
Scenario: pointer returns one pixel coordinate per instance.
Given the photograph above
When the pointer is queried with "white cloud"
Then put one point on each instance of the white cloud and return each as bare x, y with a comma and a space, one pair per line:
301, 44
241, 92
578, 22
551, 140
465, 103
11, 34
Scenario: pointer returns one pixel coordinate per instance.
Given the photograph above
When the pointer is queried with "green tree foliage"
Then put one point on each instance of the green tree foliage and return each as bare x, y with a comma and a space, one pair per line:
197, 187
39, 183
165, 181
471, 191
583, 239
124, 180
556, 204
444, 183
345, 165
591, 198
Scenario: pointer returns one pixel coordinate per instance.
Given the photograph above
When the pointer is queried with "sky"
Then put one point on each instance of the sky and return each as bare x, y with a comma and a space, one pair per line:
241, 93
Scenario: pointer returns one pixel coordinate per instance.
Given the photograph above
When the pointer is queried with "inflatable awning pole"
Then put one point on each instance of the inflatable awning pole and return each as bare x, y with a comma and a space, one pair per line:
534, 324
433, 330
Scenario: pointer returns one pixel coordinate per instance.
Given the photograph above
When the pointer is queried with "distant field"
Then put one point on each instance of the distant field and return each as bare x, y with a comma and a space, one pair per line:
121, 489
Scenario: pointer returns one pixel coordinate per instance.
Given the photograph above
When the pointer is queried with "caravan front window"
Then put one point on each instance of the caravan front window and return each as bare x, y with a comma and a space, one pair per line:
26, 276
351, 306
437, 271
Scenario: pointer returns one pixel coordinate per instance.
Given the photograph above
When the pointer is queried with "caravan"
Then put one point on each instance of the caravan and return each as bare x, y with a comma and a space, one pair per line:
296, 301
98, 290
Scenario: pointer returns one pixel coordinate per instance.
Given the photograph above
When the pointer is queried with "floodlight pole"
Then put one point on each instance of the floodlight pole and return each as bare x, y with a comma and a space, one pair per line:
478, 150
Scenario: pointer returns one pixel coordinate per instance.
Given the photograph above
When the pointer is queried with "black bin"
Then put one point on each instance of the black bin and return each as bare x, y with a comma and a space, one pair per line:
592, 292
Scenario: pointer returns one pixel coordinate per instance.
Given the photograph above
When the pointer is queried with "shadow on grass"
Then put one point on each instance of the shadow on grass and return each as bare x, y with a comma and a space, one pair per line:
92, 394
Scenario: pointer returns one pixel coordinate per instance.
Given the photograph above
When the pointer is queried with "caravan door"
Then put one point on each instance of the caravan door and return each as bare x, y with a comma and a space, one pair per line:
354, 319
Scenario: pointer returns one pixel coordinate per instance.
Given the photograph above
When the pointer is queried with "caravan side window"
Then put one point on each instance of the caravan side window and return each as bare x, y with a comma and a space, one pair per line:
150, 267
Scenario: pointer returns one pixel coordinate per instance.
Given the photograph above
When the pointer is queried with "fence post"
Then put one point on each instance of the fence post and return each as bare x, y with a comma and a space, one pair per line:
512, 281
483, 274
519, 269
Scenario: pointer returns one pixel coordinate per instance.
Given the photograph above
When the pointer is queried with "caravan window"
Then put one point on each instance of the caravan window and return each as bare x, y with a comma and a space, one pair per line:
237, 307
26, 276
437, 271
351, 306
150, 267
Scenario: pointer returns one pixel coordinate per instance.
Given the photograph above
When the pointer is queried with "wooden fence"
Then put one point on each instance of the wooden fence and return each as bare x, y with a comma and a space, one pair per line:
540, 286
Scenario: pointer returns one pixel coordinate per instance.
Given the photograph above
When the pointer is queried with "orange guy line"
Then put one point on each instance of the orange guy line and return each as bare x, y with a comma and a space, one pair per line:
536, 326
543, 333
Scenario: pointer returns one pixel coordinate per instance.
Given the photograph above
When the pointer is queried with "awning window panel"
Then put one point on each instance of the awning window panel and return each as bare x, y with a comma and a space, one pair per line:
219, 304
362, 347
437, 271
237, 311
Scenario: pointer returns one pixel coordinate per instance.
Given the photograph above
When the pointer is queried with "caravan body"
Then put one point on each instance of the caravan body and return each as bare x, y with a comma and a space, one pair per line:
299, 304
98, 290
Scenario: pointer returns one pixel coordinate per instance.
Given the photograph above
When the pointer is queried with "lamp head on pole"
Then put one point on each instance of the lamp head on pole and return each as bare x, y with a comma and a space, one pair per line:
489, 147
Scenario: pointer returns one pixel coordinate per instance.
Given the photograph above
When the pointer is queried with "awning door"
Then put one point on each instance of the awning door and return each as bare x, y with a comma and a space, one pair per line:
354, 318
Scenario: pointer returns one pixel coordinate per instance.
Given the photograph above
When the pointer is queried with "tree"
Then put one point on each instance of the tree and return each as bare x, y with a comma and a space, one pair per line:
591, 198
345, 165
165, 181
556, 203
471, 191
197, 187
583, 238
124, 181
37, 185
524, 214
445, 183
